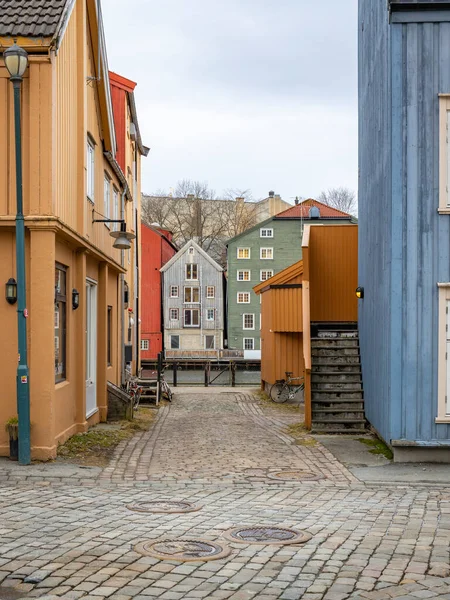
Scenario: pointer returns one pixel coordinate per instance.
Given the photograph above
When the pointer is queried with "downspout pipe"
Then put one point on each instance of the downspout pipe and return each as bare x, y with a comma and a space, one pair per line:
122, 295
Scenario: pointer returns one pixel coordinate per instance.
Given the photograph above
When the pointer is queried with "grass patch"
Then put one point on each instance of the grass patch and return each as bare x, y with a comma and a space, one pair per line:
377, 447
96, 446
299, 432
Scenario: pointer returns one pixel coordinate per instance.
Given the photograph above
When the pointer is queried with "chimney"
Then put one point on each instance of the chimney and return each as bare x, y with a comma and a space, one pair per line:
240, 200
296, 200
277, 196
271, 194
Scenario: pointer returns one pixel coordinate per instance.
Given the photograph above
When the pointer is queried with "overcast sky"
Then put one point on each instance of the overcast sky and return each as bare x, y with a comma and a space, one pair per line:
257, 94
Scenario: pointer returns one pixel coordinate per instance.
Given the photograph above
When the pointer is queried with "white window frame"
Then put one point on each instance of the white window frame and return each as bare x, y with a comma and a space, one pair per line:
214, 341
243, 322
208, 295
176, 311
267, 276
191, 310
174, 287
90, 171
266, 232
244, 271
191, 287
245, 295
444, 154
208, 311
248, 340
192, 269
145, 345
261, 250
443, 415
115, 226
107, 198
179, 342
243, 257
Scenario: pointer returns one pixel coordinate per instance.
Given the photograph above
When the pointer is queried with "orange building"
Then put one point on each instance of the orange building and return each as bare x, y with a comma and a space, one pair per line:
78, 165
315, 292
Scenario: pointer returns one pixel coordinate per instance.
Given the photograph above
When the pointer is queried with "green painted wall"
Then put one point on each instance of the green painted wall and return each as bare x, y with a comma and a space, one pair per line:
286, 244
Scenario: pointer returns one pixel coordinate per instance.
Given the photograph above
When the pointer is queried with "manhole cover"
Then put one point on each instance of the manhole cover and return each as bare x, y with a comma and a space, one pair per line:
267, 535
183, 550
295, 475
163, 506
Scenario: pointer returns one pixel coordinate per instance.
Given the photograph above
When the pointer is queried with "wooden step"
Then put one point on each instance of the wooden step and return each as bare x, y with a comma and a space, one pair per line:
338, 431
334, 351
336, 377
335, 359
334, 343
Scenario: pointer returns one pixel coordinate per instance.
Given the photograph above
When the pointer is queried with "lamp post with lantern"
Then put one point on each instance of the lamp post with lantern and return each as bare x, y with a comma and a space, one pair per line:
16, 61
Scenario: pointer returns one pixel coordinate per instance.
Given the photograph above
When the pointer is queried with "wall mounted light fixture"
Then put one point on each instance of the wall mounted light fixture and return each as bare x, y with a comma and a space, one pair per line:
123, 237
11, 291
75, 299
360, 292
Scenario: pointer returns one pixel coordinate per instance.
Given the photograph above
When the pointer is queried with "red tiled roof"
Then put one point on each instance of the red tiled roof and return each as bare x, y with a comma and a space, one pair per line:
302, 210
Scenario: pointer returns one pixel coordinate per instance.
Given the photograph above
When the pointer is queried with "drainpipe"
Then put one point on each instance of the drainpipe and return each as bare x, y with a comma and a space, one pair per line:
122, 294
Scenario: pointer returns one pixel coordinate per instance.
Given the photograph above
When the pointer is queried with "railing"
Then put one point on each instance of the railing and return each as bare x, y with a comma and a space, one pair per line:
203, 354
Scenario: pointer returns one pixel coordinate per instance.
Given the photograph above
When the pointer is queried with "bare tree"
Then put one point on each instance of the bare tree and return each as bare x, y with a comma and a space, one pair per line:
341, 198
195, 212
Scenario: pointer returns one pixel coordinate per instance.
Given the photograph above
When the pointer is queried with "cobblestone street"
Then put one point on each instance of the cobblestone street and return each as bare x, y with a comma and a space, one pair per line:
228, 454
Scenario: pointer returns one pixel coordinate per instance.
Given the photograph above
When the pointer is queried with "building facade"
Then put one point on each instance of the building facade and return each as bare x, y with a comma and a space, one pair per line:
71, 177
193, 303
404, 92
257, 255
157, 249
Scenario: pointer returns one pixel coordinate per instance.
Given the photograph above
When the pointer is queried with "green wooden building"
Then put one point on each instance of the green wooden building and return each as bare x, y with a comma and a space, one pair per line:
259, 253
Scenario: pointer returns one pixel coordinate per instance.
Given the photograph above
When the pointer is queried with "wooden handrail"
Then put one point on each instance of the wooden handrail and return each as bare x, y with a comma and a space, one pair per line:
307, 352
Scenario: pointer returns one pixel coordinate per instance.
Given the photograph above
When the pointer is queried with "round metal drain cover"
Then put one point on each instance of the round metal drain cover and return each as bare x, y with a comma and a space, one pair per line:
267, 535
295, 475
184, 550
163, 506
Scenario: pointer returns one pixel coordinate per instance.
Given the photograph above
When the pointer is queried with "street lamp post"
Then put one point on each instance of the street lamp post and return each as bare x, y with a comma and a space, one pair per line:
16, 61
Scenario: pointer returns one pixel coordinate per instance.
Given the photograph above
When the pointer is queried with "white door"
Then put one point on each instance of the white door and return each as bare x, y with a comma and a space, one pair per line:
91, 348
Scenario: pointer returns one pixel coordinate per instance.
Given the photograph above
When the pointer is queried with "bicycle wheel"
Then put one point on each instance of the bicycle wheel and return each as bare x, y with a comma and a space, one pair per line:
279, 392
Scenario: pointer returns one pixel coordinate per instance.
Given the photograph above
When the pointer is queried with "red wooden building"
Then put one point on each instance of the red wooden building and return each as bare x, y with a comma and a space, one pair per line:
156, 249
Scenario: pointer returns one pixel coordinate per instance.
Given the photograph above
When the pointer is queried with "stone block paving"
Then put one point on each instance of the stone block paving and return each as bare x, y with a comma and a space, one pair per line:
76, 538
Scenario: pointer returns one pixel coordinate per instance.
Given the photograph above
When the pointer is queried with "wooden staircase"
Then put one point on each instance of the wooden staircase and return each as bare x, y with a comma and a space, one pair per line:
336, 380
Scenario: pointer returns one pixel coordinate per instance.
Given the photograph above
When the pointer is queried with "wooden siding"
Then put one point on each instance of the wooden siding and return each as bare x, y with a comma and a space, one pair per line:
404, 243
333, 272
287, 309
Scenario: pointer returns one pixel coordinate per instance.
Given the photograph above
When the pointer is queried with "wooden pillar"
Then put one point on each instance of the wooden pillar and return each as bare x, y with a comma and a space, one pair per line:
102, 340
41, 344
79, 317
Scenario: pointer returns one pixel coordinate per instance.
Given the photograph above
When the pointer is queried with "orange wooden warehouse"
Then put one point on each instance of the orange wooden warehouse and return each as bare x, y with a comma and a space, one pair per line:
317, 291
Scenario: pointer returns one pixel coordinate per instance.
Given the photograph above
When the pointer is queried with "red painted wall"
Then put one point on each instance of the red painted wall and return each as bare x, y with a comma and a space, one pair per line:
156, 250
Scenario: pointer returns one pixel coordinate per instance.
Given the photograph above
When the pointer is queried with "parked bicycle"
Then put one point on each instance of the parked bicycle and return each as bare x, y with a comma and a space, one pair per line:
133, 389
164, 388
286, 389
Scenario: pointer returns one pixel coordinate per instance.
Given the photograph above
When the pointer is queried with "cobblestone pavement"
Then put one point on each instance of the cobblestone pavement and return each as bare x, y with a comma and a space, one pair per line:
75, 538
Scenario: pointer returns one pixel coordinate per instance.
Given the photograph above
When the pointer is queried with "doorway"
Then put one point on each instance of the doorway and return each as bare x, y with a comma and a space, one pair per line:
91, 348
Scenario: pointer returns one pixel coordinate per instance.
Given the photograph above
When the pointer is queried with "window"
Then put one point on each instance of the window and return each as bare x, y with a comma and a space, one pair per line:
145, 344
266, 233
115, 208
266, 253
243, 275
109, 337
243, 297
174, 291
443, 415
444, 153
266, 274
192, 295
210, 314
192, 271
191, 250
243, 252
173, 314
210, 291
249, 343
191, 317
174, 342
90, 171
107, 198
60, 323
248, 321
209, 342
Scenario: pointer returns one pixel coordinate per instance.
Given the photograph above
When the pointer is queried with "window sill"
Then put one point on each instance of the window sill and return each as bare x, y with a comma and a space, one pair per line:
444, 210
444, 420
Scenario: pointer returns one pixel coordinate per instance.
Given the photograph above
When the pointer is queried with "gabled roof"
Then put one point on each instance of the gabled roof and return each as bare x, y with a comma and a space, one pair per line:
183, 250
257, 226
284, 276
32, 18
160, 234
301, 210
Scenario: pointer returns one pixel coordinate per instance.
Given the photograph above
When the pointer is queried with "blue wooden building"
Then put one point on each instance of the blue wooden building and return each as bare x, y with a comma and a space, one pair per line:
404, 223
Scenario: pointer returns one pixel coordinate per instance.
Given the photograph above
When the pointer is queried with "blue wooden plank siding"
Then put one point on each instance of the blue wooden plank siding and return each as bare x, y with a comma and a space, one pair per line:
404, 242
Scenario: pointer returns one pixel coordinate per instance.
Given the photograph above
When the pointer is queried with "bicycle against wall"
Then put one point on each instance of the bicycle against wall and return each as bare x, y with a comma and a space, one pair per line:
286, 389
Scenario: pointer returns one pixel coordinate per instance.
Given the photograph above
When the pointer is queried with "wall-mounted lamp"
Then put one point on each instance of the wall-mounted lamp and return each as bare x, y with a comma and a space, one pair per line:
123, 237
75, 299
11, 291
360, 292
